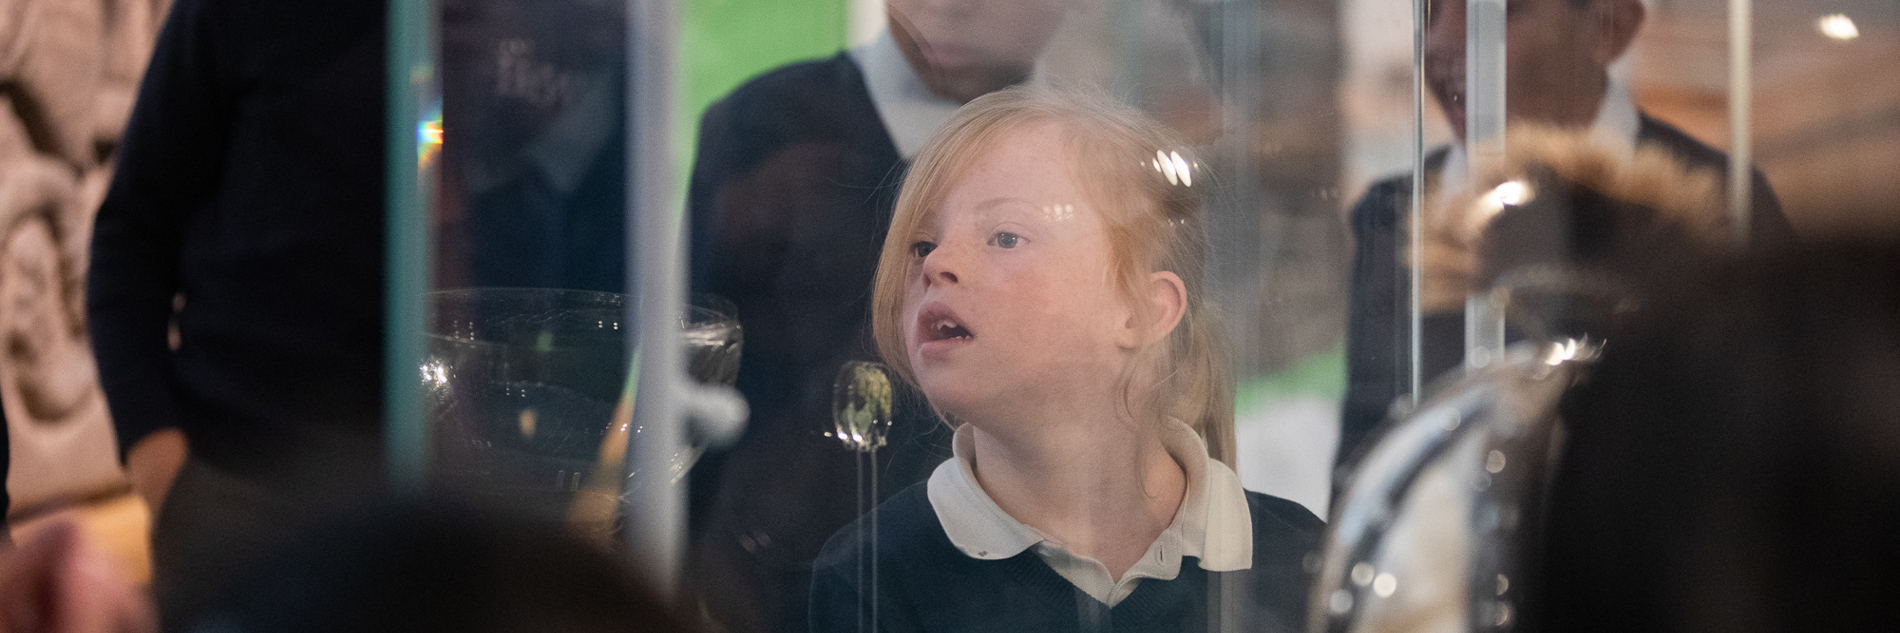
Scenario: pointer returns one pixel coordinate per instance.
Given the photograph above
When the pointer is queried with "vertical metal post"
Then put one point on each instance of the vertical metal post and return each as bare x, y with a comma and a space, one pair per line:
1484, 330
1484, 84
410, 175
653, 499
1417, 262
1242, 247
1740, 63
1484, 148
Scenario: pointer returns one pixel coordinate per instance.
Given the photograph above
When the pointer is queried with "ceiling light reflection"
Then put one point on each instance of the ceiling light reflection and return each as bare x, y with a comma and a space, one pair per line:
1511, 193
1838, 26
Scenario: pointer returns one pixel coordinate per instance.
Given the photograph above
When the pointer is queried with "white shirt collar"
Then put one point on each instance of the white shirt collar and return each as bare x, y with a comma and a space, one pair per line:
1212, 525
1616, 126
910, 112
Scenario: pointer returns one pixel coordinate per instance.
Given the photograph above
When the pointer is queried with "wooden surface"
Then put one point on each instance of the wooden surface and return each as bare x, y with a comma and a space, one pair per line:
1826, 127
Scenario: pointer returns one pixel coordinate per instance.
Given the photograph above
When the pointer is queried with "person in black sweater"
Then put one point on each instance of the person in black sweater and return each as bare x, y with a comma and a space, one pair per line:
1042, 285
1557, 62
247, 209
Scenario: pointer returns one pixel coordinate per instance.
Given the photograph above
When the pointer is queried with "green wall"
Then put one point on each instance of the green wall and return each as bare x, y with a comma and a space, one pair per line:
725, 42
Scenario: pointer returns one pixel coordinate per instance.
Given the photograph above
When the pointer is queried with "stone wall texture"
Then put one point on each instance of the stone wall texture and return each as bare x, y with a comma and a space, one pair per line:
69, 73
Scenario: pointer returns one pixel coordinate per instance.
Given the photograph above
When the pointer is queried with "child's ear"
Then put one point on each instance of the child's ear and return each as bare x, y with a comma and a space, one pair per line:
1167, 303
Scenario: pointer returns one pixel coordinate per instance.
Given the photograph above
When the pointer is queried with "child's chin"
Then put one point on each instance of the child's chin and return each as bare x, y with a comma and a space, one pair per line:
946, 398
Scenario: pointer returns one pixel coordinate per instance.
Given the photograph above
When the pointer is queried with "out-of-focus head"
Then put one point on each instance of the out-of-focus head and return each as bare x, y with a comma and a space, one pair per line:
1557, 55
438, 567
965, 48
1136, 194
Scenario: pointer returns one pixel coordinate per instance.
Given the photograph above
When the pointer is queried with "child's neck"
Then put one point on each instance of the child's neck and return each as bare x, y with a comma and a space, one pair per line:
1105, 490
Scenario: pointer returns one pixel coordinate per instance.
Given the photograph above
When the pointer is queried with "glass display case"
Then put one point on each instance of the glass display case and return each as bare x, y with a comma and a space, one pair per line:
916, 314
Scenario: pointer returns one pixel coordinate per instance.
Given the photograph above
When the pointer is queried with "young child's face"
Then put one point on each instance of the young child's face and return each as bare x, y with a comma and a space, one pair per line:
1010, 298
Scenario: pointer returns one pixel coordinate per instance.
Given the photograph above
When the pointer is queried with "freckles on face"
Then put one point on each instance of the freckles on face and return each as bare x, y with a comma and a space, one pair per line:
1009, 289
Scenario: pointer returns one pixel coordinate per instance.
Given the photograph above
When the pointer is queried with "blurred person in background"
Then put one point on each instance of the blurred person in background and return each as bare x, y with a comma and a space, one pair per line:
533, 156
1558, 54
246, 218
791, 194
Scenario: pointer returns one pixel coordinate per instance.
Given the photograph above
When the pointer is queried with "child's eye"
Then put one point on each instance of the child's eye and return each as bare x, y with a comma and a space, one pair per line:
922, 249
1005, 239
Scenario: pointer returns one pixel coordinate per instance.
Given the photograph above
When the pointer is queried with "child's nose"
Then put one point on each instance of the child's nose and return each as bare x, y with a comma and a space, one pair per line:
939, 267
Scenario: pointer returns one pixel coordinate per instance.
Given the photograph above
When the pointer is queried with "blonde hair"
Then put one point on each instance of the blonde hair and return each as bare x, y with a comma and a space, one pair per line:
1145, 189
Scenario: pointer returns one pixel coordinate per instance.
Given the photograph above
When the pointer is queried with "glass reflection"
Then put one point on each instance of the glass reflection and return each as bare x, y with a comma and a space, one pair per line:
1558, 58
522, 387
861, 406
1433, 504
533, 152
529, 402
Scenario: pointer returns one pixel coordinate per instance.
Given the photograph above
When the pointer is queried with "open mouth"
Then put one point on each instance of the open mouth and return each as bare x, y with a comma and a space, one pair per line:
938, 323
945, 330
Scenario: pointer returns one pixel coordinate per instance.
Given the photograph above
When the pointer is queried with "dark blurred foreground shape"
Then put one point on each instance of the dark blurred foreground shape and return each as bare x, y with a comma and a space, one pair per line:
1729, 462
58, 581
1734, 461
438, 568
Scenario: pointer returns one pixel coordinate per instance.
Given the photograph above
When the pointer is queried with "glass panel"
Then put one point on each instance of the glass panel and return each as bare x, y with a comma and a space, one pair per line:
414, 139
1052, 287
1275, 223
1562, 261
1611, 80
1589, 82
1391, 351
527, 317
